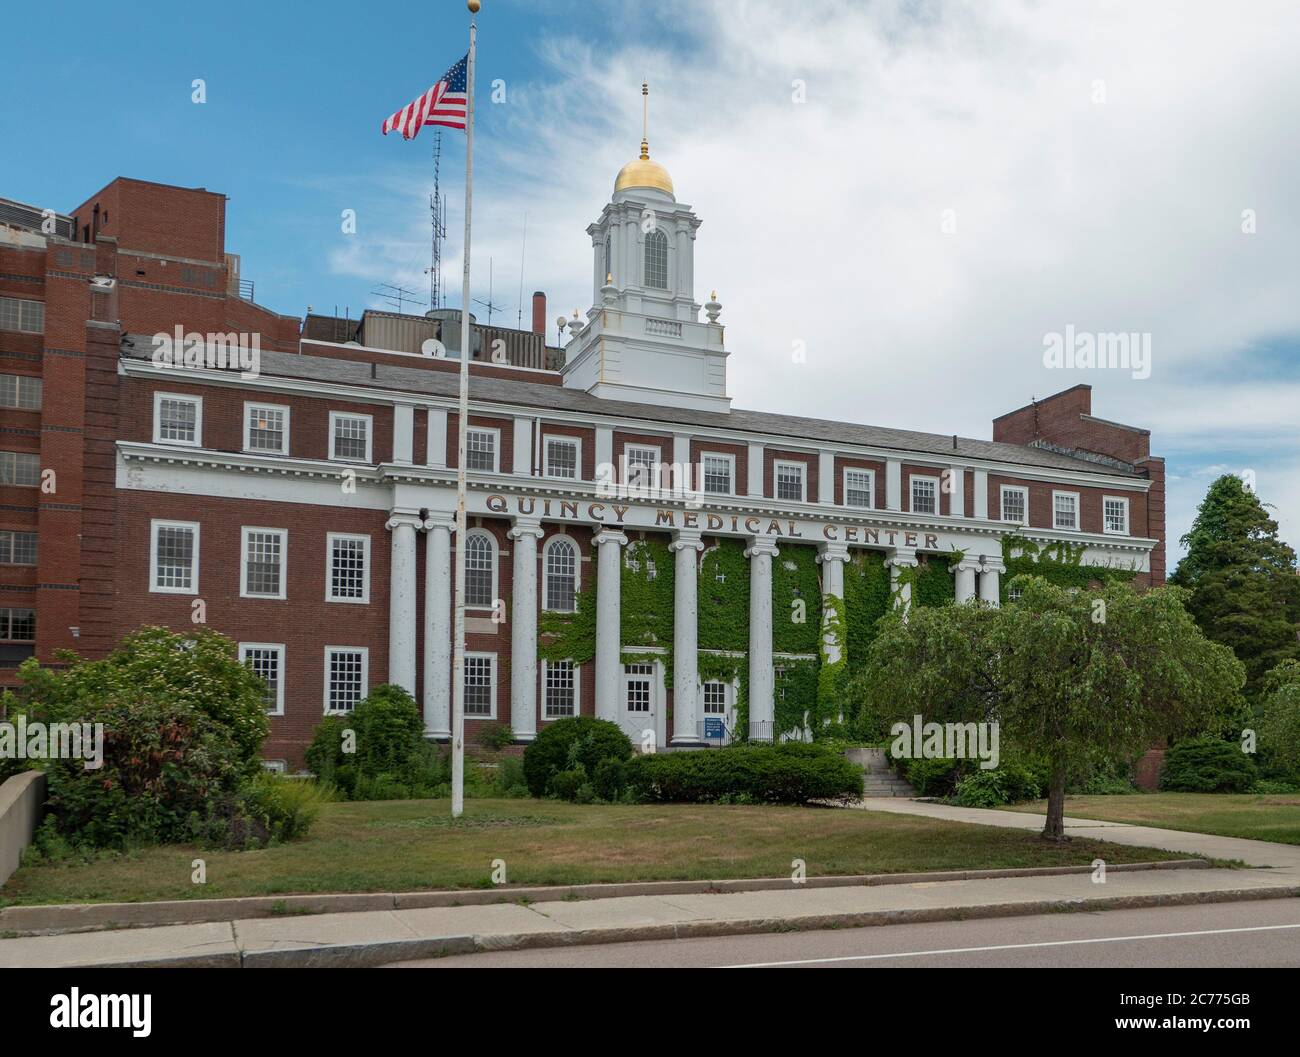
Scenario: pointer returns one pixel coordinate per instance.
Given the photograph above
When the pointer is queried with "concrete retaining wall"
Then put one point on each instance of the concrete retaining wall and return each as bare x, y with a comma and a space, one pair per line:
21, 800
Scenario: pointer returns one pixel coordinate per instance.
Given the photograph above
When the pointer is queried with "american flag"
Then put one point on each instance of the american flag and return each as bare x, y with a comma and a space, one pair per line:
443, 104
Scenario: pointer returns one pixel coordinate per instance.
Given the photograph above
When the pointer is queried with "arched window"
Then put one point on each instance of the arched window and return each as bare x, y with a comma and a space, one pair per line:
656, 260
480, 570
561, 575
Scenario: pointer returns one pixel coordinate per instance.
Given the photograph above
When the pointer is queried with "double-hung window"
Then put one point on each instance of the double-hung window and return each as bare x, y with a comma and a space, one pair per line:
21, 391
719, 472
18, 625
480, 685
791, 481
1065, 510
266, 660
266, 428
17, 548
859, 488
346, 677
177, 419
560, 690
641, 466
174, 557
347, 572
1115, 515
481, 450
20, 468
350, 437
263, 553
1015, 504
925, 495
563, 458
22, 315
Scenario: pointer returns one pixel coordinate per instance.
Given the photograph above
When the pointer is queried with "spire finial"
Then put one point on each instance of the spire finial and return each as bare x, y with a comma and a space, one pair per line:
645, 120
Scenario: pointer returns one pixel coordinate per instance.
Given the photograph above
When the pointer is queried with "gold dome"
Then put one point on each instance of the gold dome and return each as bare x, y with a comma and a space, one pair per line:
642, 172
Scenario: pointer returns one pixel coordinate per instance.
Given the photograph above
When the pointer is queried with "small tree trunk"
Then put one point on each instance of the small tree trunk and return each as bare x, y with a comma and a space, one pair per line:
1054, 829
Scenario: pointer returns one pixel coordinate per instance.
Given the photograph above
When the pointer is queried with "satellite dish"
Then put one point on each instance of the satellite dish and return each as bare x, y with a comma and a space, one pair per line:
433, 347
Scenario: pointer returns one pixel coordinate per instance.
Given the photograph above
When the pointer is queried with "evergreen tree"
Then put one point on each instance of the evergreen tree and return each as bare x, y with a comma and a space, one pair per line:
1245, 591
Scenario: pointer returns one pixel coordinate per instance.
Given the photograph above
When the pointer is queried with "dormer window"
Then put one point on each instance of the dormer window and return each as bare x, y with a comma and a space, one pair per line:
656, 260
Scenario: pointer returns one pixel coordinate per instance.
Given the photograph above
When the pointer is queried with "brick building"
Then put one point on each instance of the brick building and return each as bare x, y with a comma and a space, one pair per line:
304, 508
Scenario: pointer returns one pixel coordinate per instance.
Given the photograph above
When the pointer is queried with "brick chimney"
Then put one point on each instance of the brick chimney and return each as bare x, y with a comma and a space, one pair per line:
539, 312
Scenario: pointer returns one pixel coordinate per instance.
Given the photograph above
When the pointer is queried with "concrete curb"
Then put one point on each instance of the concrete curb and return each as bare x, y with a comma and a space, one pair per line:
374, 954
53, 919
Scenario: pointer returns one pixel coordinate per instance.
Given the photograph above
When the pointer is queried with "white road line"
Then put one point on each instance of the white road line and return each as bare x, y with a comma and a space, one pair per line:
1008, 947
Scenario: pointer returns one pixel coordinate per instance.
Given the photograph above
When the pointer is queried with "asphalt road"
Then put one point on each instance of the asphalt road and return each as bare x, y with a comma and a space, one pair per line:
1227, 935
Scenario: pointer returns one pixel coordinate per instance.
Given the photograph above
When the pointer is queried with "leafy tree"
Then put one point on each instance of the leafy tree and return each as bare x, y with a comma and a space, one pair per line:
1279, 722
1242, 578
1065, 673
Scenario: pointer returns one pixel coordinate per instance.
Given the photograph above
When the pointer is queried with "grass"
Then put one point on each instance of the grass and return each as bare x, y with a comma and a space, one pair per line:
1258, 817
407, 845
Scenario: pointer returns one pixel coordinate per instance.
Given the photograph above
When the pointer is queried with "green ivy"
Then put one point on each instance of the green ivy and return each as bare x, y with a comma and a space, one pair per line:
796, 601
866, 600
934, 584
723, 597
1057, 563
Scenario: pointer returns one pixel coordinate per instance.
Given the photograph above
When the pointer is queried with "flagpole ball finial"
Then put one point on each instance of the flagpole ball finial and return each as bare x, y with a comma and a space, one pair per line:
473, 6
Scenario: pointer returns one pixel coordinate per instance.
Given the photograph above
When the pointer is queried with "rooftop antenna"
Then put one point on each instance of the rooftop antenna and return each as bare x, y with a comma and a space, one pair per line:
489, 304
396, 296
438, 221
523, 247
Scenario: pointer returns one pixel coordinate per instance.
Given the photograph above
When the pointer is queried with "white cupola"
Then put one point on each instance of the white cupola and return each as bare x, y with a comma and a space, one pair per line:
644, 340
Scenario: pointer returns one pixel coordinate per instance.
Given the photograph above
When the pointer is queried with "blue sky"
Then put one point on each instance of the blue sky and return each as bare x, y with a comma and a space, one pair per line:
1097, 161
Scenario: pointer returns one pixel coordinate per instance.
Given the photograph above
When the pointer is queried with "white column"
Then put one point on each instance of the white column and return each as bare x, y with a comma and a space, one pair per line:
901, 558
965, 571
826, 477
404, 433
437, 626
832, 558
893, 484
686, 669
609, 622
755, 454
762, 706
401, 599
991, 581
525, 532
957, 491
981, 507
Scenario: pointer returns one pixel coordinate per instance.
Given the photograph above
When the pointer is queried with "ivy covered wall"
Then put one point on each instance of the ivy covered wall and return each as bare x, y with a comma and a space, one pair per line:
1058, 563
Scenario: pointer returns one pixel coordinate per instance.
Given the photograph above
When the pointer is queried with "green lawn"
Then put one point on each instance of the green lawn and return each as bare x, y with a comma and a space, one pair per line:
413, 844
1274, 818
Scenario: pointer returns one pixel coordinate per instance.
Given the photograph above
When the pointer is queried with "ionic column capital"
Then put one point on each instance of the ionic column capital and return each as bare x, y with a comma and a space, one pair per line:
687, 539
902, 558
967, 565
404, 519
440, 521
993, 565
833, 551
525, 527
761, 548
619, 539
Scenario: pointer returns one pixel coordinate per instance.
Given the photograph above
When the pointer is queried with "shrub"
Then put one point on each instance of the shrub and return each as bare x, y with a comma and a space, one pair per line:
510, 781
790, 774
565, 785
1207, 765
285, 807
1012, 782
496, 735
166, 768
391, 758
566, 743
930, 777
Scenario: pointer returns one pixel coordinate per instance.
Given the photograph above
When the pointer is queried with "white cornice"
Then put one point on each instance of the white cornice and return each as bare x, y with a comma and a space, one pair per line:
590, 419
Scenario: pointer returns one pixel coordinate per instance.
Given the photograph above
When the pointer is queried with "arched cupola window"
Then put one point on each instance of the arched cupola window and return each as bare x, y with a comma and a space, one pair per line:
656, 260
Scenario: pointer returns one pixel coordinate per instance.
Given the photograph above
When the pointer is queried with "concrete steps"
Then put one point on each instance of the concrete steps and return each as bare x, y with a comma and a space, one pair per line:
878, 777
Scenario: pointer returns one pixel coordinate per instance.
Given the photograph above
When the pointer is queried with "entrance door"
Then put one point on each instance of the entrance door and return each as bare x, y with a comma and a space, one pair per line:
640, 704
715, 703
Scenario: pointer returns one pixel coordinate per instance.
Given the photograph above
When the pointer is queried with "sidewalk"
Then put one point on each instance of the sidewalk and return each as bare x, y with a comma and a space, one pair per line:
378, 937
1251, 852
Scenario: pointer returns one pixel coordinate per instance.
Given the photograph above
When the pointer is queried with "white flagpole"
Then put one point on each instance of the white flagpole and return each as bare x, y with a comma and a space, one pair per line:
462, 426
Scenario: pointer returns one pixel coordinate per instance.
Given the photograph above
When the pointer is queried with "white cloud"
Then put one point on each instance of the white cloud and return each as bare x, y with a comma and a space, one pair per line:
822, 219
